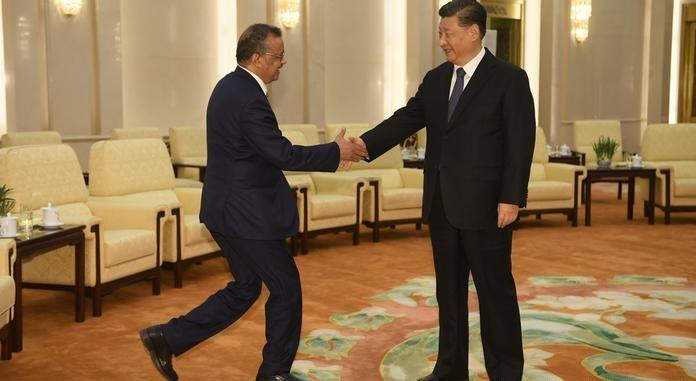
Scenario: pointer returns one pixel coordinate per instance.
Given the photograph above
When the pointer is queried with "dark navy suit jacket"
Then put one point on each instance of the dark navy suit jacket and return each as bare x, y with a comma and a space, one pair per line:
245, 194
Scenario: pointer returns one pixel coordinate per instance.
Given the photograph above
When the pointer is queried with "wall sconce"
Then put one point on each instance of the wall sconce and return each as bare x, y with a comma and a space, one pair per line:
69, 8
580, 12
289, 13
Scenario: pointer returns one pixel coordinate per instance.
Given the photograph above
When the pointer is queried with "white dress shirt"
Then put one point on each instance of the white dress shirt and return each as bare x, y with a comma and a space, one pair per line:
469, 68
258, 79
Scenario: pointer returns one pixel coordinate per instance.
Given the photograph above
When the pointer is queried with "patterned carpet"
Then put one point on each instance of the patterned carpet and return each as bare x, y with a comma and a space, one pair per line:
616, 301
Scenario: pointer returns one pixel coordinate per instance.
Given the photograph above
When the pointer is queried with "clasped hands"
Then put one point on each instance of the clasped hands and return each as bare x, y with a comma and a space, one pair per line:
352, 149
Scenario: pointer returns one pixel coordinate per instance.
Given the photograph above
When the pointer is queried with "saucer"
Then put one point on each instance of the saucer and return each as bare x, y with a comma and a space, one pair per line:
10, 236
56, 226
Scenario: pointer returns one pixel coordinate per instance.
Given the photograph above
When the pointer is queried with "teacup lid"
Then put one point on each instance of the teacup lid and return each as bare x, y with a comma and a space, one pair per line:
48, 207
9, 216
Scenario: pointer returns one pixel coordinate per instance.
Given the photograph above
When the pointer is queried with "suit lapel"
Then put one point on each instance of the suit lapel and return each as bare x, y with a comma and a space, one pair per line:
481, 76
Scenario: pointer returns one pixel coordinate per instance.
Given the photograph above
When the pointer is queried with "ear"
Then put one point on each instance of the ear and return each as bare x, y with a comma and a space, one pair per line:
475, 32
255, 59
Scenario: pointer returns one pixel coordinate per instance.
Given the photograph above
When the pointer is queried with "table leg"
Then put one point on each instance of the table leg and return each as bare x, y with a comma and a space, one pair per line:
631, 196
588, 202
651, 201
17, 322
80, 280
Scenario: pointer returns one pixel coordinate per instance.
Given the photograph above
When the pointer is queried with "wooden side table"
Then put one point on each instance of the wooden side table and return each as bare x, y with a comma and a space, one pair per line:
595, 175
41, 241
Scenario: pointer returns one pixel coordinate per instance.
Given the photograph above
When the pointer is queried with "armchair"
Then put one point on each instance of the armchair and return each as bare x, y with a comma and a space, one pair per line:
139, 172
189, 151
328, 202
7, 295
671, 151
553, 187
136, 133
122, 242
13, 139
394, 195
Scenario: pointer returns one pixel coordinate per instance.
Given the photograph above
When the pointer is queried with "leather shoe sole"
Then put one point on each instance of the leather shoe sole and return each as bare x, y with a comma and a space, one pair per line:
150, 347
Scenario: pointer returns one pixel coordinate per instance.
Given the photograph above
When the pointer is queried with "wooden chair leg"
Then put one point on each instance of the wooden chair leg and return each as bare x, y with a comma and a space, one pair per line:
668, 216
157, 282
97, 301
375, 233
538, 216
5, 352
419, 226
645, 208
178, 275
356, 234
304, 243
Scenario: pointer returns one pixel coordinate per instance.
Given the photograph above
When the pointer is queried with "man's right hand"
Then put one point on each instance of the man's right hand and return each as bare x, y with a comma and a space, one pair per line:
349, 150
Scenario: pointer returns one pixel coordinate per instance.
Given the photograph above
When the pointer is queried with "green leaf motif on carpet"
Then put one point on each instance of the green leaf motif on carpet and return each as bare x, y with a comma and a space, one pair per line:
327, 343
632, 279
307, 371
422, 286
559, 281
367, 319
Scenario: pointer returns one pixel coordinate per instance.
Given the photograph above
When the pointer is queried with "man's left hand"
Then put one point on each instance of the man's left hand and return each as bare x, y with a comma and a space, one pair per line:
507, 214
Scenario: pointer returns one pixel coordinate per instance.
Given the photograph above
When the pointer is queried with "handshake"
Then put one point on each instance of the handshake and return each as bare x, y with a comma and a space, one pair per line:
352, 149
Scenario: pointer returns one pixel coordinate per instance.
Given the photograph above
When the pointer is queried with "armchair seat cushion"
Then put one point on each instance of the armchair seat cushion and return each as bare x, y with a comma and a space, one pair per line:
685, 187
195, 231
7, 293
549, 191
122, 246
402, 198
331, 205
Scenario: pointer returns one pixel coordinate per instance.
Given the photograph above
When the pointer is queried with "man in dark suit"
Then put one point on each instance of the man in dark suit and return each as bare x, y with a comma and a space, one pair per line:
250, 209
479, 115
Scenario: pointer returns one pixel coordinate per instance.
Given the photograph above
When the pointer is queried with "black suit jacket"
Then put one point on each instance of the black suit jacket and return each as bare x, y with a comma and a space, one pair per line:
483, 155
245, 193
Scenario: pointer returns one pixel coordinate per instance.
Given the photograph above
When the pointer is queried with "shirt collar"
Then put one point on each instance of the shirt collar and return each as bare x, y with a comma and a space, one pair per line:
258, 79
470, 67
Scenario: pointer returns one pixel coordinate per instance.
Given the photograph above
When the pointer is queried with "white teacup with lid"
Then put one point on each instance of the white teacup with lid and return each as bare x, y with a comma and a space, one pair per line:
50, 216
8, 226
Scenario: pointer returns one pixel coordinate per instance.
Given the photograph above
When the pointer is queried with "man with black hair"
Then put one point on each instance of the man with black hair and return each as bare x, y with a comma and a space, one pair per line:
479, 115
249, 208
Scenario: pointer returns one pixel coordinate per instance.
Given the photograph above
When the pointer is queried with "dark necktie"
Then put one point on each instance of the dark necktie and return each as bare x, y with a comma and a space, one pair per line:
456, 92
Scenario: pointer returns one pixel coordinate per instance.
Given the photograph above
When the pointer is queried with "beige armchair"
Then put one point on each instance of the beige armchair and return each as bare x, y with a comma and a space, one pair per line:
553, 187
13, 139
189, 152
155, 133
587, 132
671, 150
140, 172
122, 241
310, 132
7, 295
395, 193
327, 202
136, 133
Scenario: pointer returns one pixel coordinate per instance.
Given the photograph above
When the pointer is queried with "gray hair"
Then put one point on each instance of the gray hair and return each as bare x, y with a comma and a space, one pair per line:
253, 40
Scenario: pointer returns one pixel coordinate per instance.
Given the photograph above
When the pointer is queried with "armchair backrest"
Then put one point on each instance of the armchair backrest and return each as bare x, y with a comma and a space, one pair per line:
187, 142
13, 139
541, 157
41, 174
587, 132
308, 130
136, 133
120, 167
675, 143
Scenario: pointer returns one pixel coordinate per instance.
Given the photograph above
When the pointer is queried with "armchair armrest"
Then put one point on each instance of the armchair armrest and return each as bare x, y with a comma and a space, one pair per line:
297, 182
190, 199
582, 156
8, 255
88, 221
412, 177
127, 215
564, 172
335, 183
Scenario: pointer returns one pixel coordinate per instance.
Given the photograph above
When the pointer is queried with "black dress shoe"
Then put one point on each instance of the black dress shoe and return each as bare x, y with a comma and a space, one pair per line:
153, 340
278, 377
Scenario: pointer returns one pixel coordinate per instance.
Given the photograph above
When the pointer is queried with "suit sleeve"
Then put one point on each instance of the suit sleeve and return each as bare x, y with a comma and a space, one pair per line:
260, 128
519, 128
405, 122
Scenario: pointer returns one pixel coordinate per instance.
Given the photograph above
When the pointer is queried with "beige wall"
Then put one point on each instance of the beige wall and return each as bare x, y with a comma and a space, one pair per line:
607, 76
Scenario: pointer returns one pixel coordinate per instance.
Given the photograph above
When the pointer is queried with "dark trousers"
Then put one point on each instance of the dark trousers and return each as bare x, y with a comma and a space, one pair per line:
251, 262
486, 253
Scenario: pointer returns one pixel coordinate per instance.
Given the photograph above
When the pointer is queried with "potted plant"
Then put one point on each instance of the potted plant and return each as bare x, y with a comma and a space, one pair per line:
605, 148
6, 203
